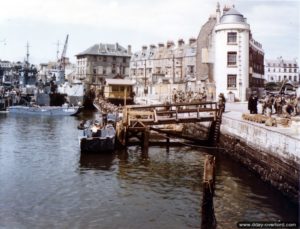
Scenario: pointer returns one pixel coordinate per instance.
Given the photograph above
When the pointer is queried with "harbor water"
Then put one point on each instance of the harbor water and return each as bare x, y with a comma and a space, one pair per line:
47, 183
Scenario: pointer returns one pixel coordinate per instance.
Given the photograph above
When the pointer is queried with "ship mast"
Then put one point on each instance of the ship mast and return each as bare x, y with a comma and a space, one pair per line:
27, 54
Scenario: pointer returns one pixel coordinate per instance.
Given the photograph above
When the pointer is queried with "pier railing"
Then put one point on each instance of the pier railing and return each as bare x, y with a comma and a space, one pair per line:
170, 113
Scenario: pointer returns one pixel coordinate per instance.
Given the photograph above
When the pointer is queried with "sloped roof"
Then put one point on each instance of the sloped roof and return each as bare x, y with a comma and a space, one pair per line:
119, 82
105, 50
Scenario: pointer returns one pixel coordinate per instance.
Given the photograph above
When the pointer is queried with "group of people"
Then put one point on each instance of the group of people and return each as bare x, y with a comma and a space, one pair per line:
281, 105
107, 107
10, 96
180, 96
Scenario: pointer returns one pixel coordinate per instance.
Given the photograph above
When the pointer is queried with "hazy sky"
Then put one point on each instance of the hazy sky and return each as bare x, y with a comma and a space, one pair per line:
275, 24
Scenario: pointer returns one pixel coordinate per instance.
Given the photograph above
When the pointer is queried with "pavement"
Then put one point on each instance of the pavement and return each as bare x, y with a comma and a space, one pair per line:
235, 110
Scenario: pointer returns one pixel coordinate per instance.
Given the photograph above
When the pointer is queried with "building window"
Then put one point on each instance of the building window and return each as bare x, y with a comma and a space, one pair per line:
231, 38
295, 78
290, 70
104, 72
191, 69
279, 78
231, 81
290, 77
124, 59
268, 69
94, 71
231, 58
104, 59
284, 77
295, 70
284, 70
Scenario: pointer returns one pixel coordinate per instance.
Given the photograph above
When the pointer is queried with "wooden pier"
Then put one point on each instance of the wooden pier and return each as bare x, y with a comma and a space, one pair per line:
138, 120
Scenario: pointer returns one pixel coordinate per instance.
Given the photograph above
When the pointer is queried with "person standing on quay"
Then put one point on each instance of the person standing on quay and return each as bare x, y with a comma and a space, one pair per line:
252, 104
222, 101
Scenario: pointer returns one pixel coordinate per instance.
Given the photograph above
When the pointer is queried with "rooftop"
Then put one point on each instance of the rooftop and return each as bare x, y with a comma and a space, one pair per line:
119, 82
232, 16
106, 50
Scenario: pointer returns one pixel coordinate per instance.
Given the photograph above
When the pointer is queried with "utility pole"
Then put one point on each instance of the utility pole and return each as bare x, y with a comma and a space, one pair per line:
173, 59
145, 82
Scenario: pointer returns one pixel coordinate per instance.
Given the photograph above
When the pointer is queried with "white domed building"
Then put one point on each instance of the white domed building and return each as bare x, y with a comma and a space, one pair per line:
235, 52
237, 63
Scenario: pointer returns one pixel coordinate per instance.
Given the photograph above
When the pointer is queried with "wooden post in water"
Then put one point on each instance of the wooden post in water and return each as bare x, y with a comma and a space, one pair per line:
168, 142
208, 214
146, 136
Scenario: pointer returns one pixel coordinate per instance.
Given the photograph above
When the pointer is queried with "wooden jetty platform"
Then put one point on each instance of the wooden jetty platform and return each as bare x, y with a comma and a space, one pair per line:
138, 120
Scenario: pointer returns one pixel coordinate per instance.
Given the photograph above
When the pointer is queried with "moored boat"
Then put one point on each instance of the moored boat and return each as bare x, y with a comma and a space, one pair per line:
45, 110
97, 139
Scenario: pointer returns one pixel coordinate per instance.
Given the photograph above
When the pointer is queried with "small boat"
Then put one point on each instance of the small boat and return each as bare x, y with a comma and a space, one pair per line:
45, 110
97, 139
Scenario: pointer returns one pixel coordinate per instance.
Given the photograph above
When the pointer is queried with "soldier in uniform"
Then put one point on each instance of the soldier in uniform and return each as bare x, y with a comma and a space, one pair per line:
222, 101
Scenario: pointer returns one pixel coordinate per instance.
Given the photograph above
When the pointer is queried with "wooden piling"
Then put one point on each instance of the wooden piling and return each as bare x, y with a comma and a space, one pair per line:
146, 136
208, 215
168, 140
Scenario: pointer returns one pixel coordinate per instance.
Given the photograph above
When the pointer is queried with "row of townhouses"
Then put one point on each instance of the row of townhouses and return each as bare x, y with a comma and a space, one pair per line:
280, 69
164, 63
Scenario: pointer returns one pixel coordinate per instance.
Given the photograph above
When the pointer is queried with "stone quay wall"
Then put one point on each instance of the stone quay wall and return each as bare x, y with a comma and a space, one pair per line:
272, 155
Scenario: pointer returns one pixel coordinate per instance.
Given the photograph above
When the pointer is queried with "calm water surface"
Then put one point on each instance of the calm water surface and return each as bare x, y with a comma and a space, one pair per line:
45, 182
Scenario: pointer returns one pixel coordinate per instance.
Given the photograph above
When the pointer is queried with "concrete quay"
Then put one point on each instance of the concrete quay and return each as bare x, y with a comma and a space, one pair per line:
273, 153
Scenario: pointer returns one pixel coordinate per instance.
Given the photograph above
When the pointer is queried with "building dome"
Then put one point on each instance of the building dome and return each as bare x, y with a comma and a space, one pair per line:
232, 16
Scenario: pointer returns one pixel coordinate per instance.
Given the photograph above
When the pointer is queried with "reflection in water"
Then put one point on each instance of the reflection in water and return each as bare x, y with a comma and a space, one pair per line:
47, 183
96, 161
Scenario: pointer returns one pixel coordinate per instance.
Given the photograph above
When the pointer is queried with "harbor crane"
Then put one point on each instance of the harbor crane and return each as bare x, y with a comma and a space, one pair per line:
62, 61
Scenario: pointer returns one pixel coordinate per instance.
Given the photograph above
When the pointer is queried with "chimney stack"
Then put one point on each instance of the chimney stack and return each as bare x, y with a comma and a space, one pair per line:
180, 42
192, 40
129, 49
152, 46
170, 44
